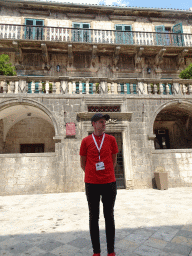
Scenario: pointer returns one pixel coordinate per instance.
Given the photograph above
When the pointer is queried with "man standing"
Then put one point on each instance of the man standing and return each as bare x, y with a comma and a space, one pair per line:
98, 157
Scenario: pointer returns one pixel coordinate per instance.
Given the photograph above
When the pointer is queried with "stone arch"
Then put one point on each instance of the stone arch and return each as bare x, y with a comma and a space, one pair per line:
39, 108
19, 116
171, 125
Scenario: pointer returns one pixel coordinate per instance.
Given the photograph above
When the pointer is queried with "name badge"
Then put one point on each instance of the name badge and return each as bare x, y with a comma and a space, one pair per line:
100, 166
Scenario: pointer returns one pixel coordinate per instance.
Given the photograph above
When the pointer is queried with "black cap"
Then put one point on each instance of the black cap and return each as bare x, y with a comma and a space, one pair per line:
98, 116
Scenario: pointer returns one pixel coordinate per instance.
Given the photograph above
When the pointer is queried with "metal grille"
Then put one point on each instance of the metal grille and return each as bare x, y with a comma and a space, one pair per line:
104, 109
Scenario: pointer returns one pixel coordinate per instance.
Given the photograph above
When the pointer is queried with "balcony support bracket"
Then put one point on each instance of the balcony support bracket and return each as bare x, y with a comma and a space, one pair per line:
116, 55
159, 57
18, 53
70, 55
181, 58
45, 56
139, 59
94, 52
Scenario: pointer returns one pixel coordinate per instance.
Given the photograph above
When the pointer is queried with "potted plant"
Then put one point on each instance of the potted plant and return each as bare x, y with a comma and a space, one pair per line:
161, 178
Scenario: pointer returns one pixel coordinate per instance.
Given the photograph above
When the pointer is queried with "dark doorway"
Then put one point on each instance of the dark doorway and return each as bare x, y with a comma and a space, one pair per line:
31, 148
119, 169
162, 139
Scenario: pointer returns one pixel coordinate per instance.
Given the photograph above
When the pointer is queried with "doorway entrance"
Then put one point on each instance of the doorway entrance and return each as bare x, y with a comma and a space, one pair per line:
119, 169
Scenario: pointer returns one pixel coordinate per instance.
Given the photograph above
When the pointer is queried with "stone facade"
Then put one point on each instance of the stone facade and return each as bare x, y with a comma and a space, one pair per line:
62, 81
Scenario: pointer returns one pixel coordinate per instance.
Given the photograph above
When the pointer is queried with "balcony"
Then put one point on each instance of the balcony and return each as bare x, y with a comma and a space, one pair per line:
130, 87
93, 36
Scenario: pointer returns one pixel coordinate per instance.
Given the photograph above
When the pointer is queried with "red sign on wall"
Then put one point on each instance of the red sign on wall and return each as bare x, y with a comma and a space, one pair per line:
70, 129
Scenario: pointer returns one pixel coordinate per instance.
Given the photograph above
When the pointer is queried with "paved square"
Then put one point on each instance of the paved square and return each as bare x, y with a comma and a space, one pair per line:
148, 223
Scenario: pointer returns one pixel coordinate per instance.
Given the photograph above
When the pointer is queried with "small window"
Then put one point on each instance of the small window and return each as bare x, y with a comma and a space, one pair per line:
31, 148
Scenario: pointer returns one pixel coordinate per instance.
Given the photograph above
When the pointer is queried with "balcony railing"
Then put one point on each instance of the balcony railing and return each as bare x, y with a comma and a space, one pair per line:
94, 86
94, 36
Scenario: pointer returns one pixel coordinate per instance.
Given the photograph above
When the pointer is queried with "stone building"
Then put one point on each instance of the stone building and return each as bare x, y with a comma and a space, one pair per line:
73, 60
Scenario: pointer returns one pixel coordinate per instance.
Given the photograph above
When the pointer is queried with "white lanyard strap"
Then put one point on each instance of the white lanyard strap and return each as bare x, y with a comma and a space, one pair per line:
99, 148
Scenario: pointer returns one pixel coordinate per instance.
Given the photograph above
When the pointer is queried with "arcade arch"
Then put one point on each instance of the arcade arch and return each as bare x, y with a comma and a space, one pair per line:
173, 126
25, 128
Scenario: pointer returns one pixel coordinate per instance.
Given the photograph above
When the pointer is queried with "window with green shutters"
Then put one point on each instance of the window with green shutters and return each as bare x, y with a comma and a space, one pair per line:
33, 29
169, 35
123, 34
81, 32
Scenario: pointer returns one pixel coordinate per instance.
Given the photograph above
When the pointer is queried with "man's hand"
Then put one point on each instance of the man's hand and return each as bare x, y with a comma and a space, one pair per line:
114, 157
83, 162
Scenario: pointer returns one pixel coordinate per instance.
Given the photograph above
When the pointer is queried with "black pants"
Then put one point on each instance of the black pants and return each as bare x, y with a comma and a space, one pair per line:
107, 193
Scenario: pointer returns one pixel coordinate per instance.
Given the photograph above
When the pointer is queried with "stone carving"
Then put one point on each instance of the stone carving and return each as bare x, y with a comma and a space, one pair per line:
176, 88
141, 88
111, 121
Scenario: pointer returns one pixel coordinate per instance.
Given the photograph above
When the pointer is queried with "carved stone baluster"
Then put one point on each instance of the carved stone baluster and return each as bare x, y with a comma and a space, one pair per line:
16, 87
12, 87
190, 89
80, 87
74, 87
118, 88
87, 87
40, 87
54, 88
125, 88
149, 88
155, 89
33, 87
47, 87
184, 89
5, 87
131, 88
161, 89
94, 88
63, 87
70, 87
112, 88
167, 89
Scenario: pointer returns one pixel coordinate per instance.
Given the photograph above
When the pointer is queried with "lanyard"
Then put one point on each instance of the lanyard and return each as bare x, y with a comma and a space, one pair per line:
99, 148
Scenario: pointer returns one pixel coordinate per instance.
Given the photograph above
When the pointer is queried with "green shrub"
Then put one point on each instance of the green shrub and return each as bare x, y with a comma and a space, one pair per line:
186, 73
6, 68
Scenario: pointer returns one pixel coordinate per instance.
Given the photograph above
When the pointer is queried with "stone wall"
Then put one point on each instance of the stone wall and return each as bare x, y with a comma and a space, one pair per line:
30, 131
61, 171
178, 164
29, 174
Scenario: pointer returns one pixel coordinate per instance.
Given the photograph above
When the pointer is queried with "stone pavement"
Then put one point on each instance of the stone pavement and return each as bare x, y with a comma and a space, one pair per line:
148, 223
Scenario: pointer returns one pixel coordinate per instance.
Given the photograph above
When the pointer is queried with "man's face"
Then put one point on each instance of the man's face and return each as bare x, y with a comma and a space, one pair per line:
100, 125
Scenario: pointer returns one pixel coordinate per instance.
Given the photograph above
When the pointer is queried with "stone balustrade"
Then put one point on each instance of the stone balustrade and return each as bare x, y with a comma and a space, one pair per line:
94, 86
65, 34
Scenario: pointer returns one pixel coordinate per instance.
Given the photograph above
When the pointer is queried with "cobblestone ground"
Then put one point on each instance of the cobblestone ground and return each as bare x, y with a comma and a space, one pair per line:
148, 223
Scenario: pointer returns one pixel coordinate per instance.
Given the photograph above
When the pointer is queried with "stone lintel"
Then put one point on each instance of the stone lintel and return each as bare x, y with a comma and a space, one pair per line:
113, 115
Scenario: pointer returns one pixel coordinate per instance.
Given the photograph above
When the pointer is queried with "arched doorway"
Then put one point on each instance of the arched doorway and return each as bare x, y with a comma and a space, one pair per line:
173, 126
25, 129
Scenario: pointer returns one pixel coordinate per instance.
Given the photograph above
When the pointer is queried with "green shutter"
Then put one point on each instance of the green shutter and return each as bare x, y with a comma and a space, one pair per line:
35, 33
82, 35
178, 37
123, 34
160, 37
83, 88
128, 88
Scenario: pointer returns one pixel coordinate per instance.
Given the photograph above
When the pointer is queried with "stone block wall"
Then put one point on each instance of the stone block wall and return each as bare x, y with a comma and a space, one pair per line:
61, 171
29, 174
177, 163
